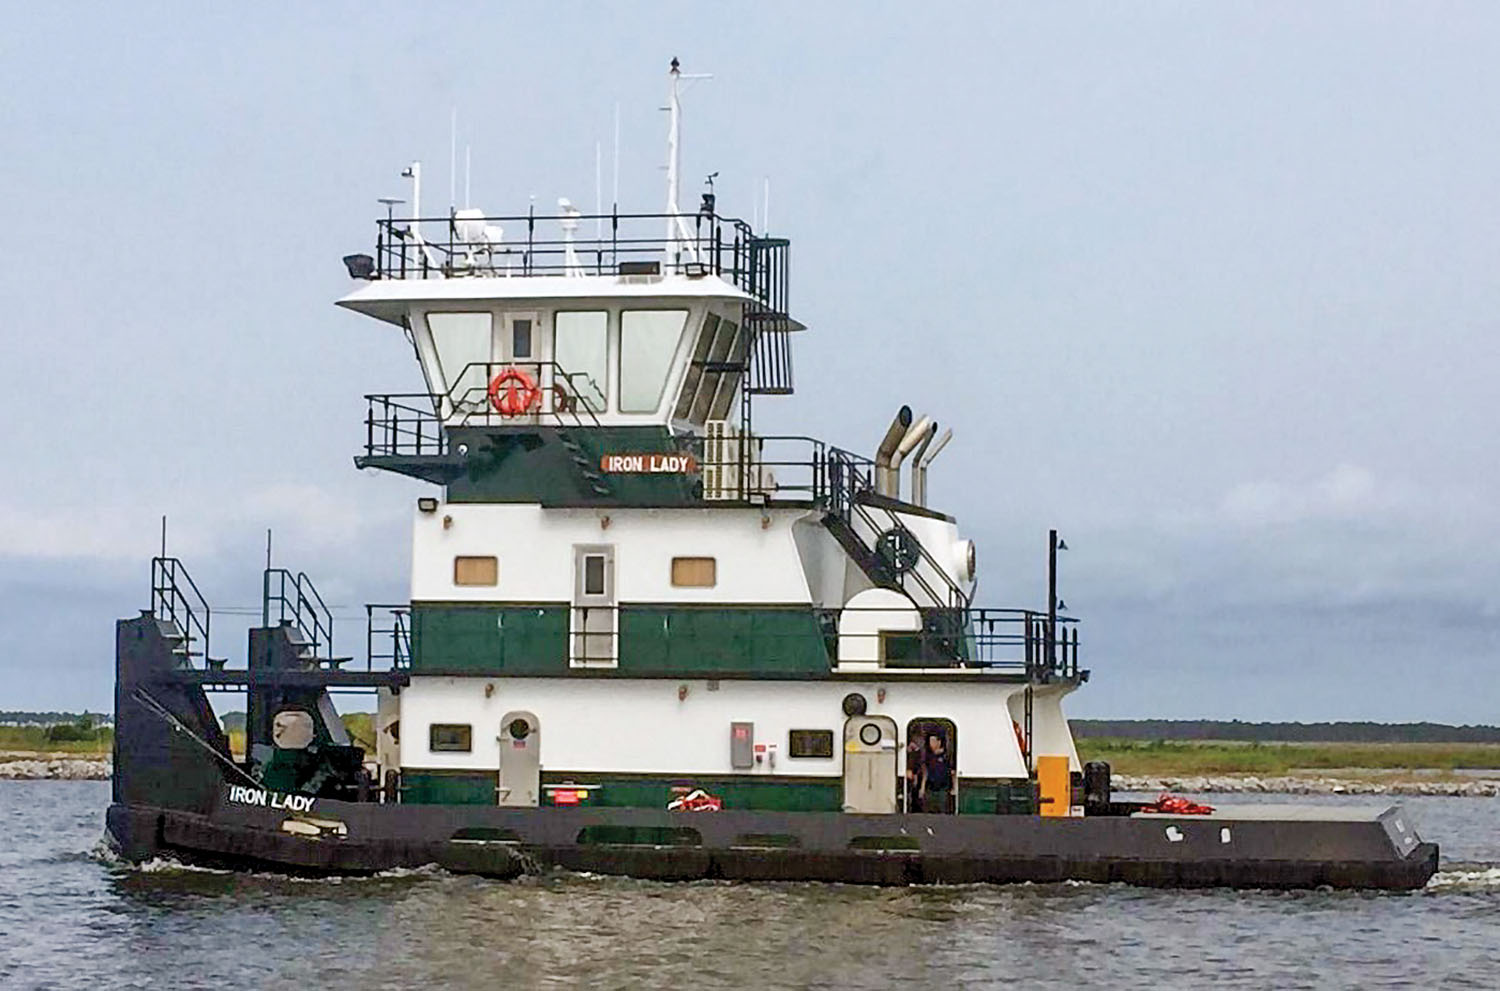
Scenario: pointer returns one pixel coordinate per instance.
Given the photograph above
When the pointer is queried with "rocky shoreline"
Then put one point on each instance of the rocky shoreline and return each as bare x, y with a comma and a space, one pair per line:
48, 768
55, 768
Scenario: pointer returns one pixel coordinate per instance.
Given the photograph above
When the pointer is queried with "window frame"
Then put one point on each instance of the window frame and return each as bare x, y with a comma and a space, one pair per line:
822, 735
467, 737
494, 561
689, 560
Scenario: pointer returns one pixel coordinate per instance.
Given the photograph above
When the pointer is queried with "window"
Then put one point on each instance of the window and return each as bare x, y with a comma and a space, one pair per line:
462, 341
810, 743
450, 737
580, 348
694, 572
648, 340
476, 571
520, 338
593, 575
694, 376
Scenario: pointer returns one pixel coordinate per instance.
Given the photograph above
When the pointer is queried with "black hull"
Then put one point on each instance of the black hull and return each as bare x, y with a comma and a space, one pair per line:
885, 850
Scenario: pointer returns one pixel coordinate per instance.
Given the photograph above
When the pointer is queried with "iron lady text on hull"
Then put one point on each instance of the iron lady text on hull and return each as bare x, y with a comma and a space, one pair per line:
643, 637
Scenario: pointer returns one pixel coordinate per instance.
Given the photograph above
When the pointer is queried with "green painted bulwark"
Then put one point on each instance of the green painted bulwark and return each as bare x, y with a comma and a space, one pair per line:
489, 639
766, 794
554, 466
996, 797
686, 641
448, 787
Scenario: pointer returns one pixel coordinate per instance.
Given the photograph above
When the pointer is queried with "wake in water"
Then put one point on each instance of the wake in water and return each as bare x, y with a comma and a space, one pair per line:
1465, 878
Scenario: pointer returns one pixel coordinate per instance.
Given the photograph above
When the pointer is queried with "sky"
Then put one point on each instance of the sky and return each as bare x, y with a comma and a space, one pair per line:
1209, 288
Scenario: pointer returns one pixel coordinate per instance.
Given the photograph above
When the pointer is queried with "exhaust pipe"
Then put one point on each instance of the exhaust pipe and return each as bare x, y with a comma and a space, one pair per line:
916, 434
919, 467
893, 437
918, 486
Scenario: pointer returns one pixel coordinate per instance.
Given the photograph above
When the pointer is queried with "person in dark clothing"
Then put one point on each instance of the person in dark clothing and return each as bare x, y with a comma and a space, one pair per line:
937, 776
914, 750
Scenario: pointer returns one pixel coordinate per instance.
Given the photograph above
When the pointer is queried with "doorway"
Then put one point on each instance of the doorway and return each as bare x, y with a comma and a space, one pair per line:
594, 619
920, 754
870, 779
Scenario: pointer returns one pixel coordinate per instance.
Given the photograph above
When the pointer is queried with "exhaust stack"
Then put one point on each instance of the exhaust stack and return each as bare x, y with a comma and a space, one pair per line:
919, 466
918, 433
885, 478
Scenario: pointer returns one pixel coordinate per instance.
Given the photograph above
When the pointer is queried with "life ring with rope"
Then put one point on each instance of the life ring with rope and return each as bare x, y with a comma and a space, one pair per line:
514, 393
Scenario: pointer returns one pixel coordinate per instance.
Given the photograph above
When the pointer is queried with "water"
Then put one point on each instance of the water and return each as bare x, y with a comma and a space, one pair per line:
72, 917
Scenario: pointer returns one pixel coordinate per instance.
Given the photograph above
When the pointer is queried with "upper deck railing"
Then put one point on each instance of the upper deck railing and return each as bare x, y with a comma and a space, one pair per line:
578, 244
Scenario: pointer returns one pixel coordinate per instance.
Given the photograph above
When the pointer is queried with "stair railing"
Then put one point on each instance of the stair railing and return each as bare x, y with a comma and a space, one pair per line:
295, 598
175, 599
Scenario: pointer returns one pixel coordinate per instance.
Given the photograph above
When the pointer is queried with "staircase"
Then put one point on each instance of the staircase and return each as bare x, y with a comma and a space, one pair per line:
896, 560
587, 467
181, 613
293, 603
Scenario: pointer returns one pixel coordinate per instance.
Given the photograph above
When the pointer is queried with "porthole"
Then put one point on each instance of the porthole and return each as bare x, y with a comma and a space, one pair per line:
869, 734
520, 729
855, 704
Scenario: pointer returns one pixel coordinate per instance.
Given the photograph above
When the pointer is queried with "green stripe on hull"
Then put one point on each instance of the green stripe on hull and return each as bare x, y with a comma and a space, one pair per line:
655, 641
765, 794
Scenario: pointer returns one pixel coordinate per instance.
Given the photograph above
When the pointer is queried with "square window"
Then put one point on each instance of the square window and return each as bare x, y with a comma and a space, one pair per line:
695, 572
450, 737
476, 571
520, 338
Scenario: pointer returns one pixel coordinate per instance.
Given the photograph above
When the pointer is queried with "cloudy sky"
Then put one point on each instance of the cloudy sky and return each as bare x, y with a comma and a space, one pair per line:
1211, 288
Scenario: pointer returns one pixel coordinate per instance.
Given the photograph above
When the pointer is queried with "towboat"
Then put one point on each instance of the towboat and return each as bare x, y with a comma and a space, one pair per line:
644, 638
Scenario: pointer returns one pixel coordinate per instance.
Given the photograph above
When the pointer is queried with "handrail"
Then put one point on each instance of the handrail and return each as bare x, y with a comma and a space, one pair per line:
304, 607
175, 598
397, 629
1002, 640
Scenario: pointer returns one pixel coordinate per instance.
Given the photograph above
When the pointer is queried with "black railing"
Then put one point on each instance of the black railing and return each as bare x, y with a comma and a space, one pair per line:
587, 244
412, 424
288, 598
1017, 642
175, 599
387, 636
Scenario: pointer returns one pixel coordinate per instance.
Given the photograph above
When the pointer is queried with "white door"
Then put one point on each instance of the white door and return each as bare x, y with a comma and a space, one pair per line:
594, 621
870, 753
520, 759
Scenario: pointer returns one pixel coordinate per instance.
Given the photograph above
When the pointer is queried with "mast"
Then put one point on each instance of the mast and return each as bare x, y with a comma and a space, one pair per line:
674, 131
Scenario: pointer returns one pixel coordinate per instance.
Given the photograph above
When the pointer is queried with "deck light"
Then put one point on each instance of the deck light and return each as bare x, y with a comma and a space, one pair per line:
427, 504
360, 266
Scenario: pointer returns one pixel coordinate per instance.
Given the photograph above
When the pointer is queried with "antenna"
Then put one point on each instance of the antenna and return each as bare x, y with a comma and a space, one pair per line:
467, 200
616, 200
678, 236
598, 194
453, 160
414, 173
765, 210
163, 534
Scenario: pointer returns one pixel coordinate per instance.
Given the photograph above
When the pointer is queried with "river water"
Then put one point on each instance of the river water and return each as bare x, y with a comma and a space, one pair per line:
71, 916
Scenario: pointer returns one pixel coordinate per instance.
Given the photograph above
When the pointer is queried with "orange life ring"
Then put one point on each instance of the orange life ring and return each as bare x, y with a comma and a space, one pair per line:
513, 393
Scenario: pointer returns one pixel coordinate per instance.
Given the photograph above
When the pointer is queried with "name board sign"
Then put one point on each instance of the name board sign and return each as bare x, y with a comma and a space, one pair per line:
648, 464
242, 795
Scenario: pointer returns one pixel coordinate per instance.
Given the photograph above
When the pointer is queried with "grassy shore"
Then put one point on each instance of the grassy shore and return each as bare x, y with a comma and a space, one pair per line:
1183, 757
1135, 757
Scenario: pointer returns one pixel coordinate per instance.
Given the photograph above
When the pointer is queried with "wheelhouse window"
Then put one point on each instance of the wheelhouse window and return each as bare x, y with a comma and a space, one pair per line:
462, 342
450, 738
648, 340
476, 571
811, 743
708, 390
695, 572
580, 346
